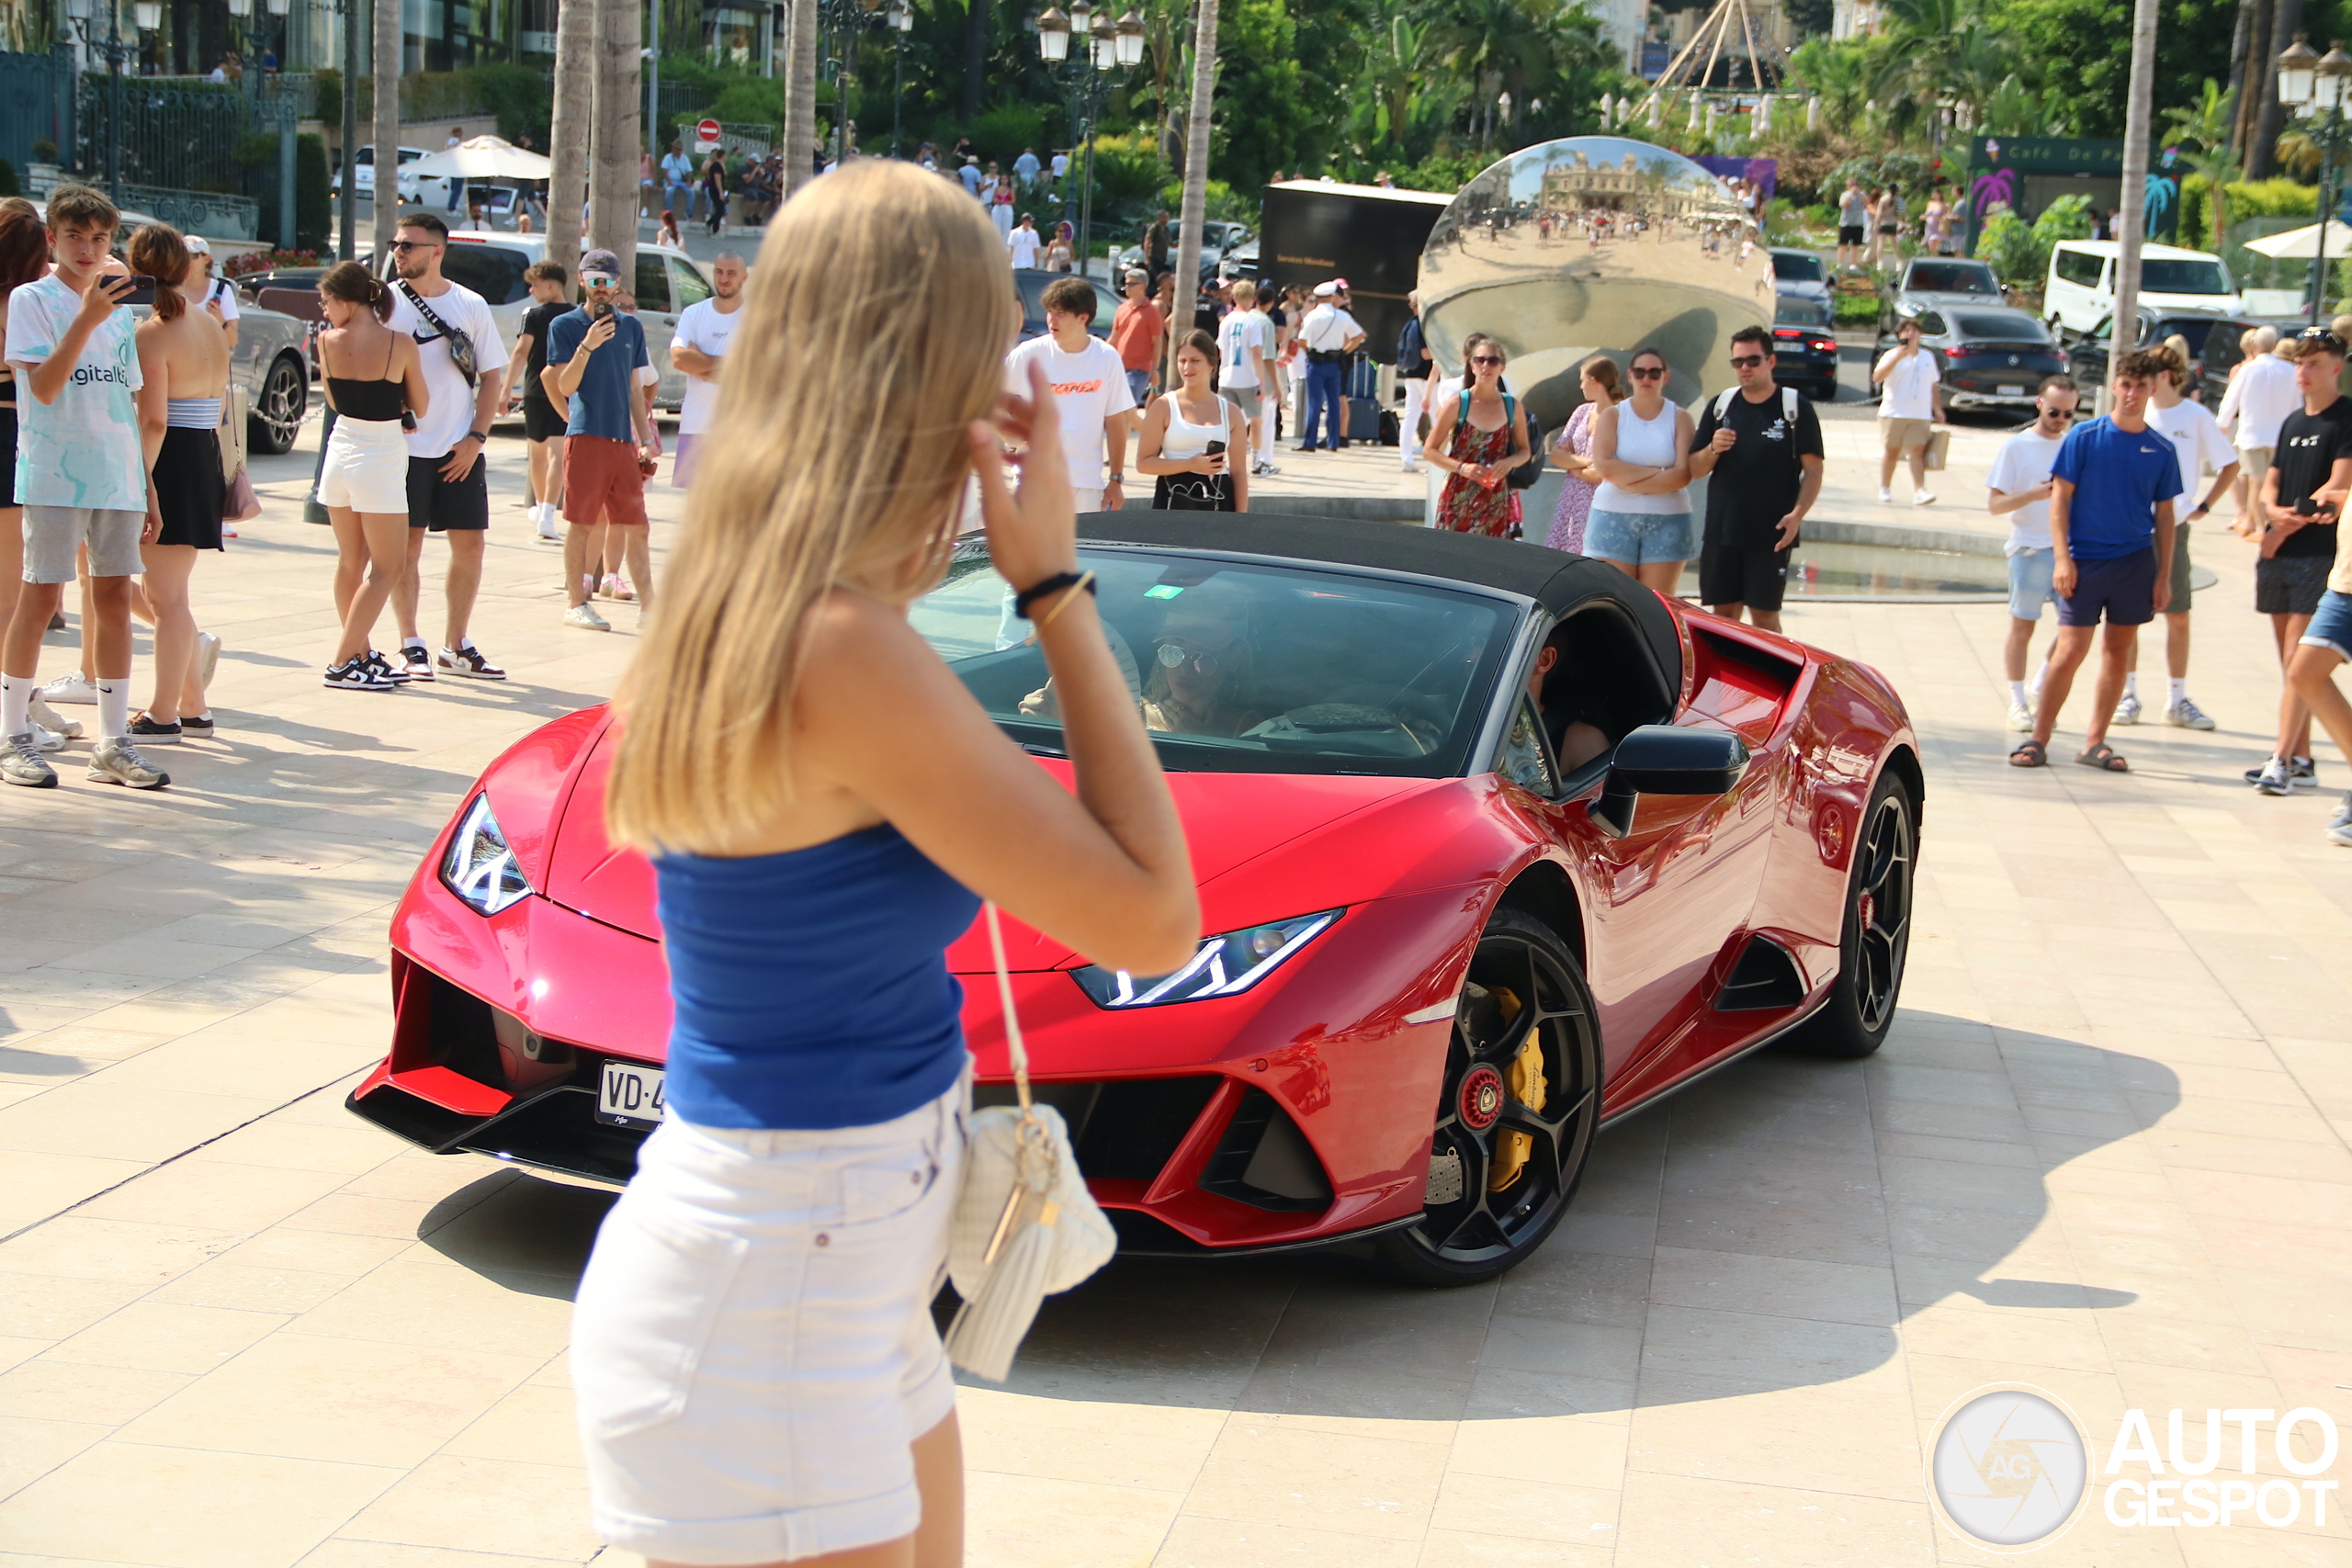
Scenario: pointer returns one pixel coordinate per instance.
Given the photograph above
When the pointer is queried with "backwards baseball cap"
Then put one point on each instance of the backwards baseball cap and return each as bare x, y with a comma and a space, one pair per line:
600, 261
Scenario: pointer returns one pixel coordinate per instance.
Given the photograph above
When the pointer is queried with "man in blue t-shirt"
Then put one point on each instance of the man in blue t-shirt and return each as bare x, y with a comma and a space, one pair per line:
593, 355
2110, 523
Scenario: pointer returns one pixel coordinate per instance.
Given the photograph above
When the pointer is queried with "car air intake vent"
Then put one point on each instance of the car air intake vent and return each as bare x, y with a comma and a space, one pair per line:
1265, 1161
1765, 977
461, 1035
1124, 1130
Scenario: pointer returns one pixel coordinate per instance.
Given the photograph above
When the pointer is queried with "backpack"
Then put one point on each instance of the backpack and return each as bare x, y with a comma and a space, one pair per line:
1788, 403
1524, 476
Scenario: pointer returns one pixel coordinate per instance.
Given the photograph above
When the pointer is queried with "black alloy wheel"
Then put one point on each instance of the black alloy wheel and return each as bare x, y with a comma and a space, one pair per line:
1876, 940
1502, 1169
277, 412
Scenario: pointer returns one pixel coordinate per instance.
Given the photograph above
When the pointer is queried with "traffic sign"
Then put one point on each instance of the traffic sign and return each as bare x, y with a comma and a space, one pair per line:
707, 130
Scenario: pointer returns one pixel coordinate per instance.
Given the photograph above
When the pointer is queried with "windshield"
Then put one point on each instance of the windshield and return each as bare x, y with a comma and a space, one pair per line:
1797, 269
1800, 313
2161, 275
1953, 277
1245, 667
2013, 325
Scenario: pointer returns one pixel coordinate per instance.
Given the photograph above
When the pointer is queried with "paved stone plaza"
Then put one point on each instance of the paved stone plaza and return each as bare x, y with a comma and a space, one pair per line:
2104, 1153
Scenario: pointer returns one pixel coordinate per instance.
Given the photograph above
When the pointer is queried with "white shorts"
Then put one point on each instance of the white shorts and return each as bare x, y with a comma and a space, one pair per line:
365, 466
753, 1345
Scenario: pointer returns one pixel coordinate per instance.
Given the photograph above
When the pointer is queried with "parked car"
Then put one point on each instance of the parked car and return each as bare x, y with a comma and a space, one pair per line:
1799, 273
1934, 283
1442, 954
1032, 283
2080, 289
1217, 237
2088, 355
492, 261
429, 190
1992, 356
271, 361
1804, 346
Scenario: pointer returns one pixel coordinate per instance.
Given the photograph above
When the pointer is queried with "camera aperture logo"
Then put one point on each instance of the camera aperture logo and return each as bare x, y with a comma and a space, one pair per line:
2009, 1468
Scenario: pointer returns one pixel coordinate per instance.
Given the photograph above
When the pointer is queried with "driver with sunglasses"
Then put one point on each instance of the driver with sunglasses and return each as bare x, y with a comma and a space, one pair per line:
1198, 676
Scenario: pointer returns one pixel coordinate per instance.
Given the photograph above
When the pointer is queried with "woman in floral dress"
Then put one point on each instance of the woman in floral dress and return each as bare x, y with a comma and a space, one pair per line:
1478, 437
1601, 386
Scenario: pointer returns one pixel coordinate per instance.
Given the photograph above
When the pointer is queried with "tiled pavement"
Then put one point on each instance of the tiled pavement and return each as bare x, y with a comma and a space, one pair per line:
2104, 1153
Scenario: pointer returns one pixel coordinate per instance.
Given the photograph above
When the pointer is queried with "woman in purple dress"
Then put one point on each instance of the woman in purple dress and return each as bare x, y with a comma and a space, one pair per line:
1601, 384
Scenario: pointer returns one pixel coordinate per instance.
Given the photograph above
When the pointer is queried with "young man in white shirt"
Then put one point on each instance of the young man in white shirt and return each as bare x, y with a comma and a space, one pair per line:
2020, 482
1089, 390
2260, 397
1910, 400
2196, 438
83, 463
1242, 363
448, 488
1022, 244
704, 330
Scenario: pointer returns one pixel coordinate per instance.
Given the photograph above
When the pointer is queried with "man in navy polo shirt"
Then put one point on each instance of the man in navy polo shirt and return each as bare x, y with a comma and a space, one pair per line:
2110, 523
594, 357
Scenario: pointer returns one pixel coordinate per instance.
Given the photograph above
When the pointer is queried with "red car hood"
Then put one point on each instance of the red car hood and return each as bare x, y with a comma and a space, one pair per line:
1231, 820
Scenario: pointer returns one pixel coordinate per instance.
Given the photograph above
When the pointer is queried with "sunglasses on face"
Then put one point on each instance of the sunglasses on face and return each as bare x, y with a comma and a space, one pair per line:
404, 246
1744, 361
596, 280
1647, 372
1484, 359
1175, 655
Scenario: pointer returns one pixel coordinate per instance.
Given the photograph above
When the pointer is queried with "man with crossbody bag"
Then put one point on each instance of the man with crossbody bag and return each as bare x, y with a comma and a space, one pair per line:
448, 486
1764, 442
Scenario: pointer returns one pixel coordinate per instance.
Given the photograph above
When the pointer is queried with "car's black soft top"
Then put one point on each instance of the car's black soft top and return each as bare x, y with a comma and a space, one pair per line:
1551, 578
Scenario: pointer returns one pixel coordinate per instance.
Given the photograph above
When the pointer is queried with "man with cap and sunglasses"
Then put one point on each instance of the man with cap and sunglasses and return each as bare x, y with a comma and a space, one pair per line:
594, 355
1330, 334
2301, 569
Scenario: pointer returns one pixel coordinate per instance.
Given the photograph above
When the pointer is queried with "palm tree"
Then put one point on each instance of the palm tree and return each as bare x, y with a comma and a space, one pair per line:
574, 112
620, 97
387, 62
2207, 124
1193, 212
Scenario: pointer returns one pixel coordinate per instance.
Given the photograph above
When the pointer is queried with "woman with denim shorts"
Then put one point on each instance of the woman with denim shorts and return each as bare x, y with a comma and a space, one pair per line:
1641, 449
757, 1374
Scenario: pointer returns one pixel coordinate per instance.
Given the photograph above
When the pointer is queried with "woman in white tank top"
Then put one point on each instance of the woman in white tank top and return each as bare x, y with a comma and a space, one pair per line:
1640, 450
1178, 431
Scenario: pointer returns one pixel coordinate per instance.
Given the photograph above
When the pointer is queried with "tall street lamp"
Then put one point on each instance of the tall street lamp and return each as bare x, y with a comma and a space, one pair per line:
2317, 89
1110, 46
148, 15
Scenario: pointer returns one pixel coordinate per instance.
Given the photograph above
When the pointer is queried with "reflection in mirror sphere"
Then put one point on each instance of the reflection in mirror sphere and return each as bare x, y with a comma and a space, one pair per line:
1595, 244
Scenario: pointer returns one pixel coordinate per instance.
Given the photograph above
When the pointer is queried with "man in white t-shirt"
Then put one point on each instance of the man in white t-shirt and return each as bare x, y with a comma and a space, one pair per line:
1910, 400
2196, 437
1090, 391
448, 486
1023, 244
2020, 481
1241, 339
2260, 397
696, 347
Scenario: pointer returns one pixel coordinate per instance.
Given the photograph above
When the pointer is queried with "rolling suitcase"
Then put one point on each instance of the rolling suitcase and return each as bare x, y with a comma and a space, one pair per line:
1362, 420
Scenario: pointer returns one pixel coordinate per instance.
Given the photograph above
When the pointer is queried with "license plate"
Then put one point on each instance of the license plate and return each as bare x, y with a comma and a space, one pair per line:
2010, 391
631, 1097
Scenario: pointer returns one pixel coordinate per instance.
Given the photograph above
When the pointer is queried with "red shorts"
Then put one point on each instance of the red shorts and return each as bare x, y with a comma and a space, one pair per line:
602, 481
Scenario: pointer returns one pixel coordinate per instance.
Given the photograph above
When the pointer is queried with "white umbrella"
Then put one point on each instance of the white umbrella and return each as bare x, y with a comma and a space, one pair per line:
482, 158
2302, 245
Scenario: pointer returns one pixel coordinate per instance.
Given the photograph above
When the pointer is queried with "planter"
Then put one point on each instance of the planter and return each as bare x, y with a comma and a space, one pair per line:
41, 178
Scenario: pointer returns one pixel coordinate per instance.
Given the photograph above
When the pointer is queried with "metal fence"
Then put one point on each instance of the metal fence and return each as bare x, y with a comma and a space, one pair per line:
37, 104
183, 136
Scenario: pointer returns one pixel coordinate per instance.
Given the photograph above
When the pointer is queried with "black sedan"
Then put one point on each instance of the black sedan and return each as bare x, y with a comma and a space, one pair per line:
1804, 348
1992, 356
2213, 347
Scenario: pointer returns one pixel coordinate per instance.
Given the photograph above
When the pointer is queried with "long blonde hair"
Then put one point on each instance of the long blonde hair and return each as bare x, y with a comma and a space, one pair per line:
875, 331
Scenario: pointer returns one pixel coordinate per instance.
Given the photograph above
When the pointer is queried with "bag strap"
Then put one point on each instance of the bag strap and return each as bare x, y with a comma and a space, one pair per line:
1014, 1045
1789, 405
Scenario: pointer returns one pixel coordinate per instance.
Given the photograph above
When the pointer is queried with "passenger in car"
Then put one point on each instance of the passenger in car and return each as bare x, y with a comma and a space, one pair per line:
1575, 740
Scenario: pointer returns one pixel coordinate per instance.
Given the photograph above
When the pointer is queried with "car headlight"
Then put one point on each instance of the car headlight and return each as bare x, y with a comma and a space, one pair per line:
1224, 966
480, 868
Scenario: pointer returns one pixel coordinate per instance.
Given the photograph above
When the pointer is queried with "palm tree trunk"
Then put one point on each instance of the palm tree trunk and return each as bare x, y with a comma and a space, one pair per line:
2247, 67
800, 99
387, 62
1194, 211
2261, 157
574, 112
620, 96
975, 59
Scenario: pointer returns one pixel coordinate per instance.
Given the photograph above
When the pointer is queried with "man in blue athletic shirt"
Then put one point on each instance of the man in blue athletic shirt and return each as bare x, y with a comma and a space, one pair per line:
2110, 523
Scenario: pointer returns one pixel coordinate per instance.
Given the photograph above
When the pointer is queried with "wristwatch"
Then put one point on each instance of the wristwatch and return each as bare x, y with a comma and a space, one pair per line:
480, 436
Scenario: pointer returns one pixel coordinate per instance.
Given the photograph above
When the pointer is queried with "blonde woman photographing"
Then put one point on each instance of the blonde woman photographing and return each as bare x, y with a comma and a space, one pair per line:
758, 1378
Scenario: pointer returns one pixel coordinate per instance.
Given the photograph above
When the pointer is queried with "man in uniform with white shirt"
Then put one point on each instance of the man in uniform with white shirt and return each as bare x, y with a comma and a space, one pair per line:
1910, 400
2021, 484
1330, 334
448, 488
2198, 440
1089, 386
695, 348
2258, 403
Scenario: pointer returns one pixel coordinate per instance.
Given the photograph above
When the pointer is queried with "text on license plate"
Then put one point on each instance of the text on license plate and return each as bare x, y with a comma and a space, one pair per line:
631, 1097
2010, 391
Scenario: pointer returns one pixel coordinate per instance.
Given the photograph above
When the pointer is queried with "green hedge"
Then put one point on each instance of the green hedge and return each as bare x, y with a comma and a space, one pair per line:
2246, 198
258, 152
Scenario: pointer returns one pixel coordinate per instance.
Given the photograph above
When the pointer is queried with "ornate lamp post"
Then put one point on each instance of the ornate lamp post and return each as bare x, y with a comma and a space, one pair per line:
2317, 88
1112, 46
149, 16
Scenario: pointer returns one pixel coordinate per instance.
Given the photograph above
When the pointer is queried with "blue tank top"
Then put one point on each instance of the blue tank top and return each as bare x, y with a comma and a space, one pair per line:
810, 988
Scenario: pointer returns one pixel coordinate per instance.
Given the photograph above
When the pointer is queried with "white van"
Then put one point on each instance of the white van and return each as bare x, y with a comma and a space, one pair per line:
426, 190
2080, 290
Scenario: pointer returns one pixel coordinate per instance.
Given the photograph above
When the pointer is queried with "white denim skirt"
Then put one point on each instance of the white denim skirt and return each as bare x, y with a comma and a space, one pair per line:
365, 466
753, 1345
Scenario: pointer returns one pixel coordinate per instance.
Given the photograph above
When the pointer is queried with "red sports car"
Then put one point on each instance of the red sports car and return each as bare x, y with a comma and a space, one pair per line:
1497, 845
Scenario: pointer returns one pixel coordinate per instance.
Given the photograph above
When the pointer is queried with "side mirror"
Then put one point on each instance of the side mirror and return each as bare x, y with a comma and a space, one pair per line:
1665, 758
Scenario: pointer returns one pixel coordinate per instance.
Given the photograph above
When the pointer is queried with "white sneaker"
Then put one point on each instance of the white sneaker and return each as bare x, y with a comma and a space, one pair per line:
584, 617
2272, 777
21, 763
2020, 719
46, 740
49, 718
2187, 715
118, 762
547, 530
1885, 496
2127, 711
71, 689
415, 662
208, 657
1922, 498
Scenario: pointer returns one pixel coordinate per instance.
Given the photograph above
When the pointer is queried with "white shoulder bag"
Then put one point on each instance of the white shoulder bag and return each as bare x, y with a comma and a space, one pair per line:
1025, 1226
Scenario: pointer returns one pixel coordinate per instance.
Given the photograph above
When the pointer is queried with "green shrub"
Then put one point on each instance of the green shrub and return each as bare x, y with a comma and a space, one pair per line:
756, 101
1128, 177
1223, 205
2019, 254
330, 96
1856, 309
522, 98
2245, 198
1004, 131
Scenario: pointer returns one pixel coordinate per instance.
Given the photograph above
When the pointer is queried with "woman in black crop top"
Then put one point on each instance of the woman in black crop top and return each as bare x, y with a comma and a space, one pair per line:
374, 383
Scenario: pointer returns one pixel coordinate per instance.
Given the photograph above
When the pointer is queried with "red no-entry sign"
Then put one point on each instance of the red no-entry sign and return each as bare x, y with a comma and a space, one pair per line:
707, 130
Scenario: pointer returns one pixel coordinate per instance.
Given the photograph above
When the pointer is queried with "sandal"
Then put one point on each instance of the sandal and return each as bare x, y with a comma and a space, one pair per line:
2030, 754
2102, 757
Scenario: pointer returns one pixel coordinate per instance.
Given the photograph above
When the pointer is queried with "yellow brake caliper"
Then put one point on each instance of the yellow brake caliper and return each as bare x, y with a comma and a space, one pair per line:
1527, 1085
